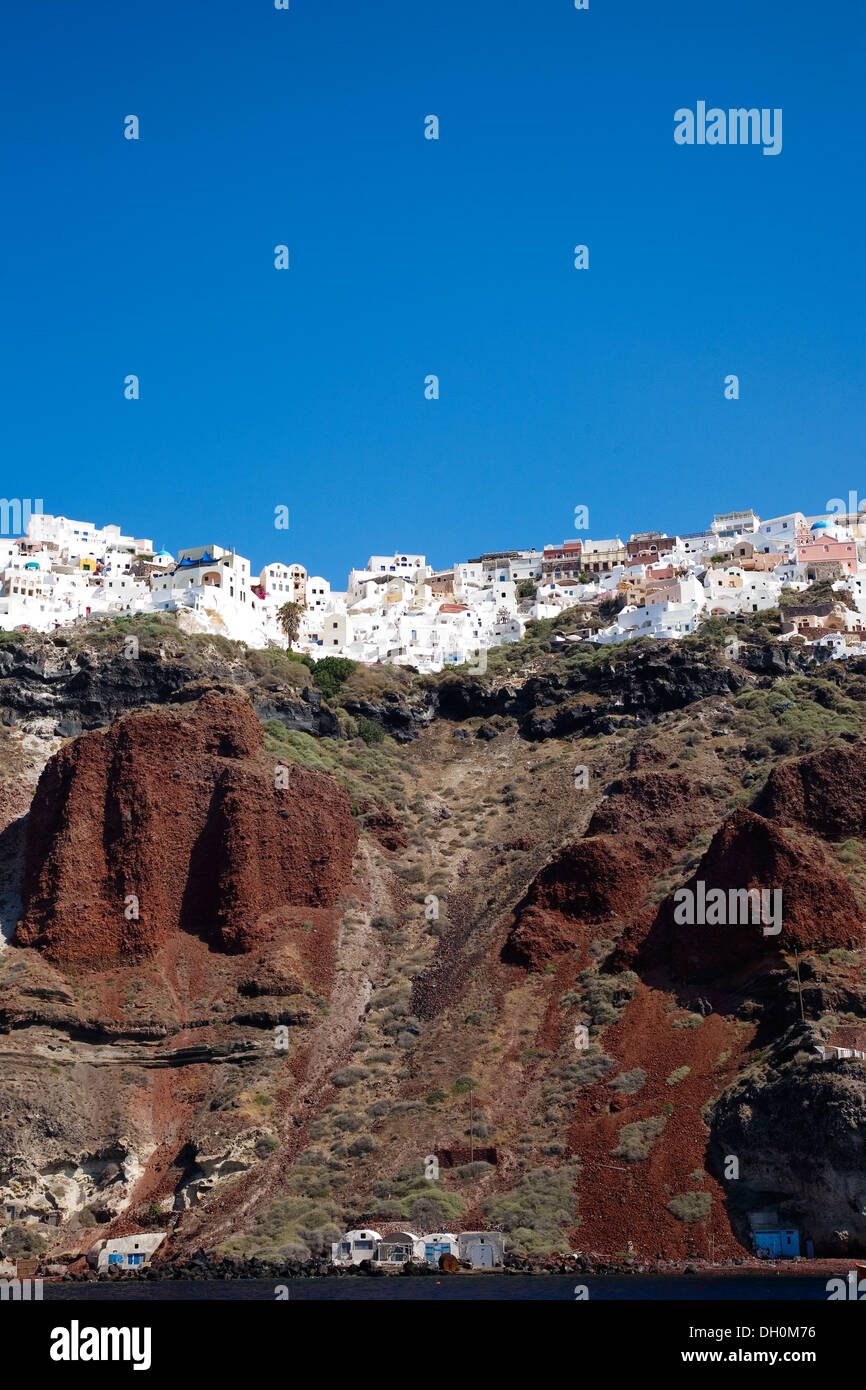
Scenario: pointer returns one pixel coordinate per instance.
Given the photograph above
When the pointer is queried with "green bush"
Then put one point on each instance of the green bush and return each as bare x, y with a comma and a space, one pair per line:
679, 1074
370, 731
629, 1082
437, 1211
471, 1172
360, 1146
691, 1206
539, 1211
297, 1227
463, 1085
21, 1241
603, 994
331, 673
637, 1139
809, 710
588, 1068
349, 1076
293, 746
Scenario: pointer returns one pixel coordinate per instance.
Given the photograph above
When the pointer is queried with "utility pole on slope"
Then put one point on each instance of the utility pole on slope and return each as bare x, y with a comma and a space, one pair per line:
471, 1133
799, 985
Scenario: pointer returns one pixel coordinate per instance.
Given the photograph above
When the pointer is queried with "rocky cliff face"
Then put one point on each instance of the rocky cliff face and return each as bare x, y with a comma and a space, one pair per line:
798, 1129
177, 821
70, 685
824, 793
606, 876
48, 684
260, 972
599, 699
817, 908
181, 918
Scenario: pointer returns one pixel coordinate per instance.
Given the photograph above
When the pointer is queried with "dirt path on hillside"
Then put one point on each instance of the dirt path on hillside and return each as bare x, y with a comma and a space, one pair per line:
310, 1064
359, 960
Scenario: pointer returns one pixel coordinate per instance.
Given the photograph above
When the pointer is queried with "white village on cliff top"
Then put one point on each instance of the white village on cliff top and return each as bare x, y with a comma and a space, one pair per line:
401, 610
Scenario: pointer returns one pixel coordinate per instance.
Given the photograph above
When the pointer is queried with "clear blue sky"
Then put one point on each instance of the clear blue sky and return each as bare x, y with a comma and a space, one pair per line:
409, 257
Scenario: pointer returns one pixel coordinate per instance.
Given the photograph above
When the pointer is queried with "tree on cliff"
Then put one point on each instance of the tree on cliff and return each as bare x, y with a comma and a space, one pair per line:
289, 619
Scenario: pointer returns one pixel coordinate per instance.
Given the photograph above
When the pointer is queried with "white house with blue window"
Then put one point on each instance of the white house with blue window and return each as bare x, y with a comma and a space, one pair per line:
398, 563
126, 1252
477, 1249
439, 1243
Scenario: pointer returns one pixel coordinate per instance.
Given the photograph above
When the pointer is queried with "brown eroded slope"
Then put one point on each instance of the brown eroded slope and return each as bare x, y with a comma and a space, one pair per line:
416, 1027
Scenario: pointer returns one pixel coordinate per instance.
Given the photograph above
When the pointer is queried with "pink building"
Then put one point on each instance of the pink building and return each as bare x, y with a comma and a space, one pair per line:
814, 551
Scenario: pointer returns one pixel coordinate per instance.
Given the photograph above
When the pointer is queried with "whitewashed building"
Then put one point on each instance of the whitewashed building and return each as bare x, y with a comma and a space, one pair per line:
126, 1252
283, 583
79, 538
355, 1246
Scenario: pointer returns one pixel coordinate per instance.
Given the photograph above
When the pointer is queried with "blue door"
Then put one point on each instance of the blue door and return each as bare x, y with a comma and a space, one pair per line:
790, 1242
768, 1243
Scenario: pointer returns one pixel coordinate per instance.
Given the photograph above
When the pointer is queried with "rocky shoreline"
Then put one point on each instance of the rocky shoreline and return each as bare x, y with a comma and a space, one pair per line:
205, 1268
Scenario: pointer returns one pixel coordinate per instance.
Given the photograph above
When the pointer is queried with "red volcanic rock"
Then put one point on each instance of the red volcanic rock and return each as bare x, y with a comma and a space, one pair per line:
590, 881
646, 754
383, 824
818, 908
825, 792
665, 810
181, 817
608, 874
538, 937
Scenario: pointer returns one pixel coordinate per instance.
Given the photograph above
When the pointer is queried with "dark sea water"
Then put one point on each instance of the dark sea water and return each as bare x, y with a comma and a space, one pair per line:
458, 1288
